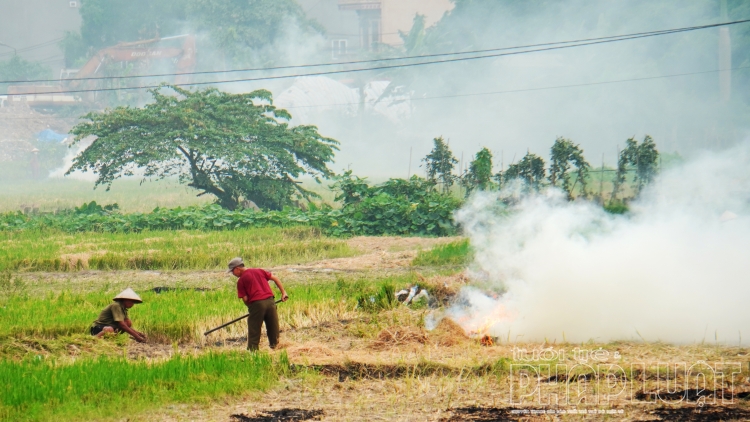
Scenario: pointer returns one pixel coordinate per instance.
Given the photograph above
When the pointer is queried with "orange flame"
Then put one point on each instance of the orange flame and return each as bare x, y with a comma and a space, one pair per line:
473, 328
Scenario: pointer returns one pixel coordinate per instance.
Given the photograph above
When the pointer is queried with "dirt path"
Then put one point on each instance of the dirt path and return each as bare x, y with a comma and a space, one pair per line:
386, 252
375, 254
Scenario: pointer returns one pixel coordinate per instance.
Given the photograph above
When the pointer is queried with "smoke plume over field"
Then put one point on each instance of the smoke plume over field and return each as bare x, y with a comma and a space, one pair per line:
676, 269
682, 113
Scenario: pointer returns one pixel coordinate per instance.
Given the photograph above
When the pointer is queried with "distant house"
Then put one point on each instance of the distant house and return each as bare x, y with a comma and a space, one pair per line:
33, 29
355, 26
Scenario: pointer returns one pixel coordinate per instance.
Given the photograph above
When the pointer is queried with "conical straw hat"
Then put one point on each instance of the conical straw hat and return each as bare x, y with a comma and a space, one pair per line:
129, 294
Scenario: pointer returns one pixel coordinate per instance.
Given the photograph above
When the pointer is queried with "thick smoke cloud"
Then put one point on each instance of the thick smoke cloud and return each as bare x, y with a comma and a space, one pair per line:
675, 269
683, 114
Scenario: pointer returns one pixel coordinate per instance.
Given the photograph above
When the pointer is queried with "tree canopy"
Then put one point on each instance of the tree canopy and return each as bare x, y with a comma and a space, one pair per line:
530, 169
643, 157
233, 146
479, 175
235, 27
440, 163
18, 69
562, 154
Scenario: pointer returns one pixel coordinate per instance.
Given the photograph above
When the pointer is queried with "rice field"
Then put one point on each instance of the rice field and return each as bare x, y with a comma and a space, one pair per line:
51, 194
164, 250
348, 351
95, 388
184, 314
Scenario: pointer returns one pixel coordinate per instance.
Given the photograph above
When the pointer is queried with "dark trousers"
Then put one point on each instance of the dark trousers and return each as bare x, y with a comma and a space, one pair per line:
262, 311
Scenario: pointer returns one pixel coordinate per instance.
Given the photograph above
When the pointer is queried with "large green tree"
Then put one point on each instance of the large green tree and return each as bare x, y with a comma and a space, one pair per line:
233, 146
107, 22
239, 28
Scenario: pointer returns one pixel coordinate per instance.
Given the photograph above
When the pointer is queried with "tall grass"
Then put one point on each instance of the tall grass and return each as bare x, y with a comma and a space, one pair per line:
164, 250
454, 253
36, 389
184, 315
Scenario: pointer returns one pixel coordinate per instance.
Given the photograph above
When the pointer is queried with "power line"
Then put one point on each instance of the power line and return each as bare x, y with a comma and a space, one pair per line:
505, 91
331, 72
646, 78
33, 47
560, 44
613, 37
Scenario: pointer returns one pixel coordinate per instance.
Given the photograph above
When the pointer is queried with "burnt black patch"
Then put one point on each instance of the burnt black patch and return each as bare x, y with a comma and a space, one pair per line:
700, 414
289, 414
475, 413
668, 413
357, 371
691, 395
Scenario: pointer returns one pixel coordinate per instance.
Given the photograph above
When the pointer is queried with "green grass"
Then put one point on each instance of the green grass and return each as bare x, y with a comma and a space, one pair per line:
39, 389
176, 316
130, 194
164, 250
454, 253
55, 194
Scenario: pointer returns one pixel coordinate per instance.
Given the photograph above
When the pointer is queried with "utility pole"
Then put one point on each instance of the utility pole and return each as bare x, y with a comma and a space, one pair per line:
725, 56
408, 174
601, 182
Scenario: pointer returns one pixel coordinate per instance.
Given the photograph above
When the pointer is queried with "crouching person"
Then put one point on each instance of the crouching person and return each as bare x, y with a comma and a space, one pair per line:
114, 318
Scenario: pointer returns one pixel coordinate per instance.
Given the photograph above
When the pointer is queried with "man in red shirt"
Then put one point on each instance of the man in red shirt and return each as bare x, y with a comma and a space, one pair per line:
253, 289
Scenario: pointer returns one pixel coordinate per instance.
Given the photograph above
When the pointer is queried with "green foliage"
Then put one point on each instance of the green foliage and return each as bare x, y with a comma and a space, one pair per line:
530, 170
562, 154
454, 253
643, 157
616, 207
232, 146
74, 48
80, 388
415, 189
18, 69
440, 163
240, 29
383, 299
10, 285
479, 175
94, 208
414, 39
352, 189
398, 206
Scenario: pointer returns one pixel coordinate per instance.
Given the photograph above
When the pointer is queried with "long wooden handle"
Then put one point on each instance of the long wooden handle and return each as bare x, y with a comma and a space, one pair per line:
232, 322
224, 325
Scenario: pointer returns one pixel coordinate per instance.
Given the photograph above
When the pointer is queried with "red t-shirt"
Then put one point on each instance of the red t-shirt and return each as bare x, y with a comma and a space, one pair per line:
253, 283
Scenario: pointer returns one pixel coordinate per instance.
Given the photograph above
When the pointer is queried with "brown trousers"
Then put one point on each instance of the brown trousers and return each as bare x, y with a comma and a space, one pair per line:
262, 311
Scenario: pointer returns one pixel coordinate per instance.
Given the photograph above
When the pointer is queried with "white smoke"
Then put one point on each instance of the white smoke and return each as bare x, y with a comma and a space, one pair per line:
675, 269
